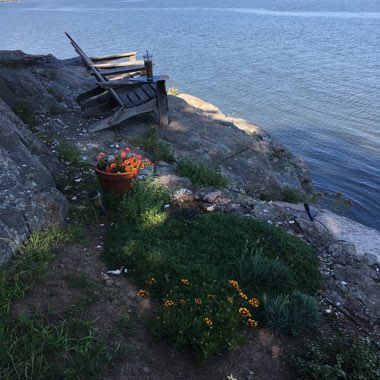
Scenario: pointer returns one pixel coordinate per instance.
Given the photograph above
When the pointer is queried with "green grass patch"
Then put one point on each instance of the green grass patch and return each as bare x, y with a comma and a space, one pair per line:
336, 357
200, 174
44, 345
29, 266
162, 251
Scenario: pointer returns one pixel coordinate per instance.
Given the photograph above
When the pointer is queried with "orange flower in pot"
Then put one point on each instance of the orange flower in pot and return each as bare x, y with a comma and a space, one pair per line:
116, 173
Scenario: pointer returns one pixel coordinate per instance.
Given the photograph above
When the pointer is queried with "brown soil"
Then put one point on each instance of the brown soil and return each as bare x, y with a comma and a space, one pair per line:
144, 358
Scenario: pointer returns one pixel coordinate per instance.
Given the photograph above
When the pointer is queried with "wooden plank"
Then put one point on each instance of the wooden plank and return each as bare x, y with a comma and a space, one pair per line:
114, 56
104, 98
150, 90
114, 64
121, 70
142, 95
89, 94
134, 98
100, 109
125, 99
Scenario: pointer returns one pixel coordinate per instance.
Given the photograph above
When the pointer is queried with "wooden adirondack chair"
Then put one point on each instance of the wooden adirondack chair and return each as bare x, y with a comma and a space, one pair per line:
121, 85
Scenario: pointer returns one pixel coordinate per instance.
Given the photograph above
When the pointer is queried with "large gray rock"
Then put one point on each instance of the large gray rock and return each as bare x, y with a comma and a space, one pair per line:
242, 151
32, 84
29, 200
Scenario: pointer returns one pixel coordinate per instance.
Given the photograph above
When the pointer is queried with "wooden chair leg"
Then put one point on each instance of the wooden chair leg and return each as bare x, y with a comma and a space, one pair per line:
162, 104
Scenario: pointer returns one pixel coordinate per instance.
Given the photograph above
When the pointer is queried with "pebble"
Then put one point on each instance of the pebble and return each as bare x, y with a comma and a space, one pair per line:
146, 369
108, 283
104, 276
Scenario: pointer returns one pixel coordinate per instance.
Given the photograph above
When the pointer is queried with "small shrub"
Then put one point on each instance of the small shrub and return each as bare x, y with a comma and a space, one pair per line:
291, 314
200, 174
69, 152
206, 320
160, 151
56, 94
337, 357
263, 274
293, 196
145, 201
25, 112
334, 201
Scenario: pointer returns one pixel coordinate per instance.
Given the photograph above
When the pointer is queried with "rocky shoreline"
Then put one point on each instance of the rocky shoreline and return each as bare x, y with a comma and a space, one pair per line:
38, 111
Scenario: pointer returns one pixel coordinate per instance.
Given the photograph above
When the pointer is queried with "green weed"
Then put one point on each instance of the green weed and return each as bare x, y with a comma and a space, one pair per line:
25, 112
69, 152
159, 150
291, 314
293, 196
173, 91
336, 357
260, 273
200, 174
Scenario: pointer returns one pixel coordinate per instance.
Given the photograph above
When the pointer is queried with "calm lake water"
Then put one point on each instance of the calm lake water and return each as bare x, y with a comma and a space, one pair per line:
308, 71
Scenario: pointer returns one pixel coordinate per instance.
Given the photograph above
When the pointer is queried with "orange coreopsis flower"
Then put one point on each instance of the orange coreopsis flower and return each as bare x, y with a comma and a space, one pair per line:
185, 281
168, 303
198, 301
251, 322
254, 302
208, 322
151, 281
244, 312
234, 284
244, 296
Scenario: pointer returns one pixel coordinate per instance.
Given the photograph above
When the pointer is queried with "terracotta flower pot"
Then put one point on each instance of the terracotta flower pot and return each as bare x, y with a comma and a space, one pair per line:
118, 183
